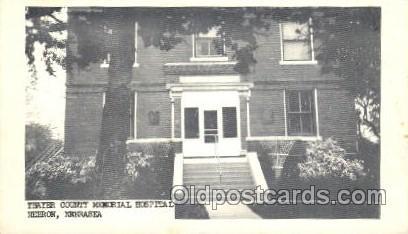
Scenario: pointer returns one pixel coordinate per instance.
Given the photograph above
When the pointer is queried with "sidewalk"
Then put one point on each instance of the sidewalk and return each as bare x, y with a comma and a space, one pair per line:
227, 211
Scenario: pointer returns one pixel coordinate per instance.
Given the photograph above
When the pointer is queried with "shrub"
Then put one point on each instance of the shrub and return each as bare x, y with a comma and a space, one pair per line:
136, 162
149, 170
148, 174
53, 177
157, 149
326, 159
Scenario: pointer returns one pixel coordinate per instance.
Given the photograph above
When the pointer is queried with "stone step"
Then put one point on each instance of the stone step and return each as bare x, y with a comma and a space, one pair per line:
199, 166
211, 173
223, 186
217, 179
233, 176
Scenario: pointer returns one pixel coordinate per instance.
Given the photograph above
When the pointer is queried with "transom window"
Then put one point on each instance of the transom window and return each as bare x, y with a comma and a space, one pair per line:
209, 44
300, 113
297, 42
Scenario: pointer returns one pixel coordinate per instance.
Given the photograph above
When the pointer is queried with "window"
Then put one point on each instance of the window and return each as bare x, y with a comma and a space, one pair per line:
300, 113
229, 122
210, 126
191, 130
209, 46
297, 42
107, 57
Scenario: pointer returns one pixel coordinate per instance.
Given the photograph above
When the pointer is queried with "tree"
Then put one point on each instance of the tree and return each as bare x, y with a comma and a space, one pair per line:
164, 28
42, 23
351, 48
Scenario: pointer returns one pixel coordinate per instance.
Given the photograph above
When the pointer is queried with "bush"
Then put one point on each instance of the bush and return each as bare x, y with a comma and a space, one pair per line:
149, 170
58, 176
326, 159
148, 175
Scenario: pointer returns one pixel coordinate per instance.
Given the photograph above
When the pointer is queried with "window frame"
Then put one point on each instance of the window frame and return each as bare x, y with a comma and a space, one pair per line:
133, 116
311, 46
215, 58
313, 113
195, 127
106, 61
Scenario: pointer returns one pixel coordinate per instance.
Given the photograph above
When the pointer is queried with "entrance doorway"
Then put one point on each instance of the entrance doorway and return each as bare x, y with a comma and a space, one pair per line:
211, 125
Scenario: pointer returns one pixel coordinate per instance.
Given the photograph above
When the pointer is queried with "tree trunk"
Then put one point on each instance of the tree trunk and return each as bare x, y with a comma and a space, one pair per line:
112, 151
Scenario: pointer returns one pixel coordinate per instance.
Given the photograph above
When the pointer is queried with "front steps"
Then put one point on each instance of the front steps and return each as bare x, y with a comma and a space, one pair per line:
223, 174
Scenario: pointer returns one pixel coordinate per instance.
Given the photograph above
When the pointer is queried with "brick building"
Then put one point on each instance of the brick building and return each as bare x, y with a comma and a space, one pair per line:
192, 97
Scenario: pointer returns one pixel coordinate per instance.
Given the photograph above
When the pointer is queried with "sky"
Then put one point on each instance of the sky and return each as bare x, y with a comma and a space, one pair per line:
45, 97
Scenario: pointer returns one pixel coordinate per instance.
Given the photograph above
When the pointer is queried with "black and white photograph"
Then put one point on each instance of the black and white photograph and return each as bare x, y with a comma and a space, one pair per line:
160, 103
208, 112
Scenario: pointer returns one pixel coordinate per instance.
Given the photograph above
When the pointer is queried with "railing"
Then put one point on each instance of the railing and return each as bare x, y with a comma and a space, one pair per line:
178, 170
256, 170
50, 151
217, 157
279, 155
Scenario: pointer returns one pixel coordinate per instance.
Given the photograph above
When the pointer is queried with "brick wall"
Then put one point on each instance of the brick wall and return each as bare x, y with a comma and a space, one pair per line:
83, 112
155, 102
266, 113
337, 117
82, 121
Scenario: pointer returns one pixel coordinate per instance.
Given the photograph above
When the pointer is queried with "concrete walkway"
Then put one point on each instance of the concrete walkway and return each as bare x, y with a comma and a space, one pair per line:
227, 211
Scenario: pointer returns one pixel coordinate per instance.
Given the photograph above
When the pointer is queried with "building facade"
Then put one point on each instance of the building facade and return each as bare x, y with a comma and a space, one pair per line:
192, 96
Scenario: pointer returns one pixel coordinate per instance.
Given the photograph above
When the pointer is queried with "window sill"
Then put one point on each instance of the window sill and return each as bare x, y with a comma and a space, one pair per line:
209, 59
311, 62
153, 140
106, 65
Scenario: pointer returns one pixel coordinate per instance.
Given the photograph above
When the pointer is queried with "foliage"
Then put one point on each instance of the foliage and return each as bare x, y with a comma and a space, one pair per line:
46, 178
150, 167
42, 25
137, 161
326, 159
37, 138
370, 153
64, 177
157, 149
350, 47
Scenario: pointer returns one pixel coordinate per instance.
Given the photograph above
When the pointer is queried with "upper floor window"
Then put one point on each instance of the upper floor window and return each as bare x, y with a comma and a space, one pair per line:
297, 43
209, 47
300, 113
107, 58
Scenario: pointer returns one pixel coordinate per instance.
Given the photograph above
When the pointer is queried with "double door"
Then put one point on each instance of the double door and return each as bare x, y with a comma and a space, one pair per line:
211, 124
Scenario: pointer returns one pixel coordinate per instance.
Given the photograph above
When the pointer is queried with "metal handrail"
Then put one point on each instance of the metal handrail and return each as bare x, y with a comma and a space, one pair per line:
48, 152
216, 156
